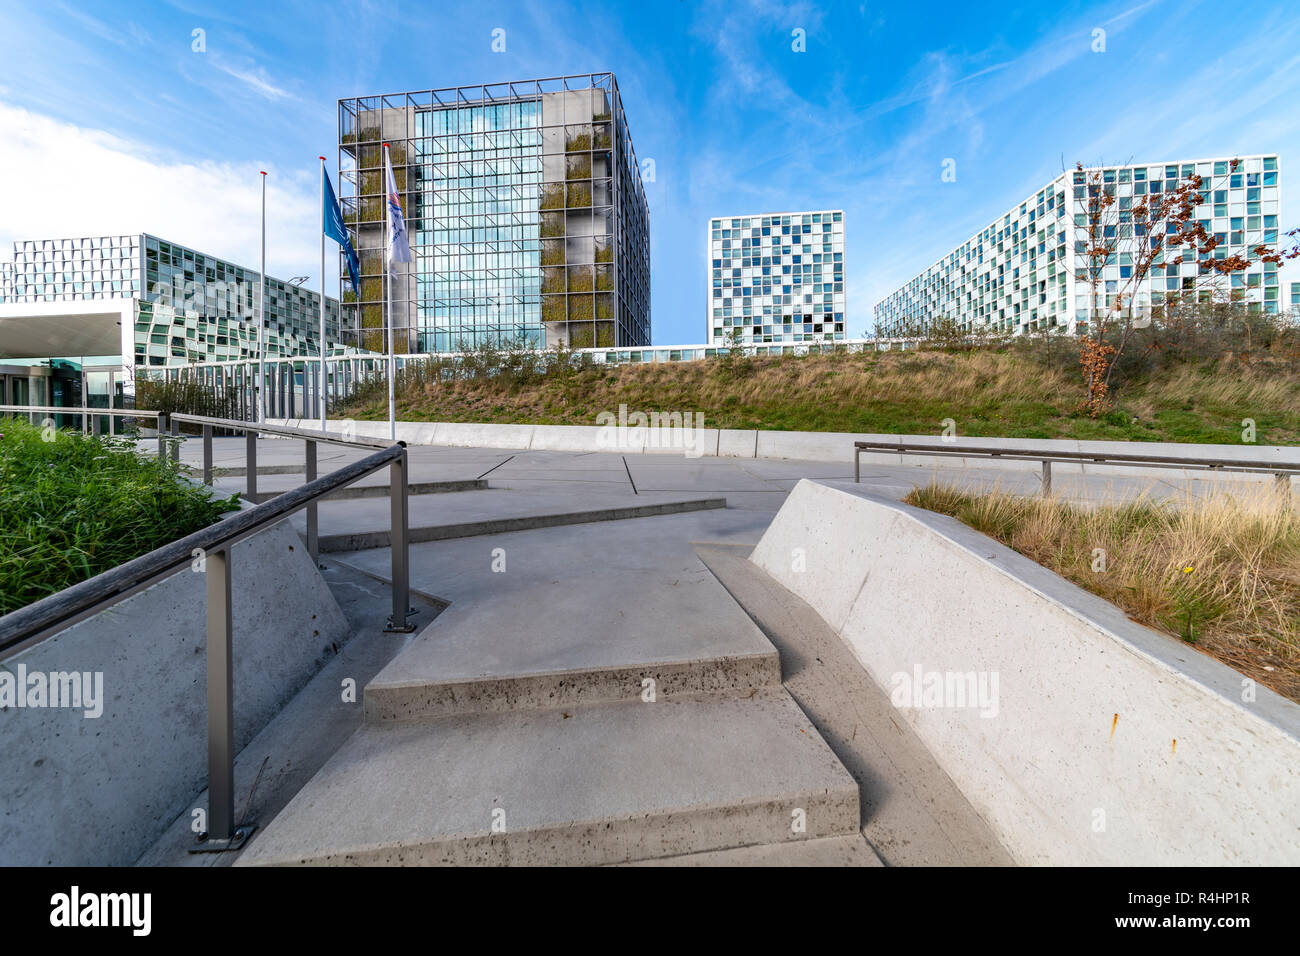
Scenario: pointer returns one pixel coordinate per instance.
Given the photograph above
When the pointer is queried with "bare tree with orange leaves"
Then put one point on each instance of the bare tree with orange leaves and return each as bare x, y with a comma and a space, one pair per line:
1155, 229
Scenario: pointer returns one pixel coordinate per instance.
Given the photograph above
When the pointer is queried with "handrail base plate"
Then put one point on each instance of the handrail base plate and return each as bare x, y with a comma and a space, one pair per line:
222, 844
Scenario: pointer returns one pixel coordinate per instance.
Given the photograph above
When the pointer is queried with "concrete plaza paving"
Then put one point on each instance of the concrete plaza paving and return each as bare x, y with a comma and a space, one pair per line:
572, 583
747, 483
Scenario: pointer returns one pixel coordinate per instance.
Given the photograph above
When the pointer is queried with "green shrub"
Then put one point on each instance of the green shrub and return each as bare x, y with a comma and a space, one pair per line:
73, 506
187, 398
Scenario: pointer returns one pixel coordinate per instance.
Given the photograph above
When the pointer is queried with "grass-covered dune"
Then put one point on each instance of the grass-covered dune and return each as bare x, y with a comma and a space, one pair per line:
1018, 392
73, 506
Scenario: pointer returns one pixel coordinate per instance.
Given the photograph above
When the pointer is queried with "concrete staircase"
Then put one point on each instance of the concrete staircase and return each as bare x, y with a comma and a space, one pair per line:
593, 704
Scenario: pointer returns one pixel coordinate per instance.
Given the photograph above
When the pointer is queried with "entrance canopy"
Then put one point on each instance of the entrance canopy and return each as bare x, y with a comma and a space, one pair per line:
45, 329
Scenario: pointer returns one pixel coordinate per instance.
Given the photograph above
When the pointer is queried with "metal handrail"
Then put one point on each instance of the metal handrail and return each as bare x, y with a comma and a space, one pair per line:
121, 412
251, 430
1280, 470
209, 550
286, 431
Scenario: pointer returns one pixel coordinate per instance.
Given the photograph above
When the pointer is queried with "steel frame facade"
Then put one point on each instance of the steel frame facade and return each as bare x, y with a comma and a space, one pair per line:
526, 211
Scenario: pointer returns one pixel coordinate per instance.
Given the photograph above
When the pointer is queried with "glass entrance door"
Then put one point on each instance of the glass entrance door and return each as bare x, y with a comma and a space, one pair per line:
99, 385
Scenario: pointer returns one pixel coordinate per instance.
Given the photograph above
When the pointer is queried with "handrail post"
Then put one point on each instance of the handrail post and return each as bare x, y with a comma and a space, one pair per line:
175, 428
162, 431
399, 540
221, 692
250, 463
222, 834
313, 534
857, 465
1047, 477
207, 454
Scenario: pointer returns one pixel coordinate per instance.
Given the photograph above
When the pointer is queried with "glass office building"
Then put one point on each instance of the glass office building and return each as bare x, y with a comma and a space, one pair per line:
1021, 273
525, 210
187, 306
777, 277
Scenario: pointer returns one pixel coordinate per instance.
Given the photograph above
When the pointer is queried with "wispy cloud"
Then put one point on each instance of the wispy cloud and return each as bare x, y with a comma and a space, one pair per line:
252, 76
134, 34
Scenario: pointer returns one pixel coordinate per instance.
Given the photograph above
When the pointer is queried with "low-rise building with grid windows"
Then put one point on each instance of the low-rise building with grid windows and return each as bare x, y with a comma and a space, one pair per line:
776, 277
1028, 271
525, 209
184, 306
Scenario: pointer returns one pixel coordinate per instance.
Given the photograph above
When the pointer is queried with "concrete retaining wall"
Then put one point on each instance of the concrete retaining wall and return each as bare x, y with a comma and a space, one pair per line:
94, 791
1105, 742
813, 446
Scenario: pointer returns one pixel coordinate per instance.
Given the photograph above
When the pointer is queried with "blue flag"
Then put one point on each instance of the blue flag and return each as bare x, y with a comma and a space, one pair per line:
333, 226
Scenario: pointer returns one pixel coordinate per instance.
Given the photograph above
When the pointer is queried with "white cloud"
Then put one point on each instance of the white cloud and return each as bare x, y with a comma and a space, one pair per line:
68, 181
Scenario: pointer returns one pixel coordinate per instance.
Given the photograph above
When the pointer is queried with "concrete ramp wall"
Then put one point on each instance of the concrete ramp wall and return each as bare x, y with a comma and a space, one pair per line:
1080, 736
85, 789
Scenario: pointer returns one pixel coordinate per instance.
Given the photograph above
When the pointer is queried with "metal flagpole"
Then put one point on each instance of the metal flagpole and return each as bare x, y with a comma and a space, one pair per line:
261, 319
321, 384
388, 300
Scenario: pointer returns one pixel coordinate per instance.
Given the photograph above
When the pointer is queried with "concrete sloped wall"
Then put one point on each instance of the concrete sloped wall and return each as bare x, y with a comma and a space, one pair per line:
817, 446
1105, 742
92, 791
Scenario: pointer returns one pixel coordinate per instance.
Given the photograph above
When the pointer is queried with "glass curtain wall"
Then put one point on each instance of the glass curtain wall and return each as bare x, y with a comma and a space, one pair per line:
510, 195
476, 181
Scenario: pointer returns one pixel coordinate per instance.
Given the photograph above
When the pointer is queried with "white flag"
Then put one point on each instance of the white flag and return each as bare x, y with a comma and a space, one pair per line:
399, 250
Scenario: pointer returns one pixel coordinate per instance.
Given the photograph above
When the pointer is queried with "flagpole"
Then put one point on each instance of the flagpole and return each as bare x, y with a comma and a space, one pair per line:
261, 323
322, 294
388, 301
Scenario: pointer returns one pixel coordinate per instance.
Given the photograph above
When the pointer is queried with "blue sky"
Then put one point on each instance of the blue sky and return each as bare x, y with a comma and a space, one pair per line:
112, 122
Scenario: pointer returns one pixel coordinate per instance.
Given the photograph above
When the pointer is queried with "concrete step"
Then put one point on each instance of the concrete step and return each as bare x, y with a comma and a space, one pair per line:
605, 783
913, 813
241, 471
363, 523
511, 656
268, 490
570, 615
826, 851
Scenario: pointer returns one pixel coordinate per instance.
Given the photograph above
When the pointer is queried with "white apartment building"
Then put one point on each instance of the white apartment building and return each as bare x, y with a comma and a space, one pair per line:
1021, 273
776, 277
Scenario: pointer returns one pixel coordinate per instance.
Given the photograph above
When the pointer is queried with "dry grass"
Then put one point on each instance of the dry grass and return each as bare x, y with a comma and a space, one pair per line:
1221, 573
989, 393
